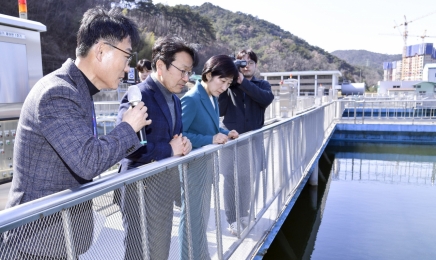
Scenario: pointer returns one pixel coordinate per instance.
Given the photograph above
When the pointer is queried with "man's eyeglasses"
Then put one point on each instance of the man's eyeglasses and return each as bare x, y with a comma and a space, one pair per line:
184, 72
129, 54
250, 62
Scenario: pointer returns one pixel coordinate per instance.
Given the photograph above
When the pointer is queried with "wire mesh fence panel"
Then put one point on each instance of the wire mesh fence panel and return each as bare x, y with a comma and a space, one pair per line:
272, 181
108, 229
65, 234
263, 184
197, 233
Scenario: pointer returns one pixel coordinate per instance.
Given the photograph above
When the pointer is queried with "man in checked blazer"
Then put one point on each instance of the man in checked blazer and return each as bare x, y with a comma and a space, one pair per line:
172, 62
57, 146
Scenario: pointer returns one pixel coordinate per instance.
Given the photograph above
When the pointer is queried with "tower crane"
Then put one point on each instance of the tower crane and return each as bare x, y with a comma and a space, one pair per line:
405, 32
425, 36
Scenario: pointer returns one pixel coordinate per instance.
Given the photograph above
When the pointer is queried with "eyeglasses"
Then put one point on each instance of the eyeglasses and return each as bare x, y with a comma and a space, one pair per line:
250, 62
184, 72
129, 54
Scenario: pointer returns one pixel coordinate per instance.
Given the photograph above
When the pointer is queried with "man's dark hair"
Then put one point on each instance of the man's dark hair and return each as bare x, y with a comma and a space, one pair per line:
250, 53
99, 24
220, 65
165, 49
143, 64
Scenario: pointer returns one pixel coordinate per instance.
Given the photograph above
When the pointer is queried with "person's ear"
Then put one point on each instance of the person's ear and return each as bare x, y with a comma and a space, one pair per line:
98, 51
209, 76
160, 66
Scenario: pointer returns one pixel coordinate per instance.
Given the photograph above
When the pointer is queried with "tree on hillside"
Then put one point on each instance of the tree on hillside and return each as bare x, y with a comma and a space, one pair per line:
146, 45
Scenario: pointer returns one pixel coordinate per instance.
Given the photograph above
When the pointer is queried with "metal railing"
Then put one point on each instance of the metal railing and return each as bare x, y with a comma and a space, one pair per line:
86, 223
282, 107
387, 110
53, 225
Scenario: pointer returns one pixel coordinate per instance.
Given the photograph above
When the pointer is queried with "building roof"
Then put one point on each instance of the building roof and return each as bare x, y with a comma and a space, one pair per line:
425, 83
22, 23
303, 73
401, 89
430, 65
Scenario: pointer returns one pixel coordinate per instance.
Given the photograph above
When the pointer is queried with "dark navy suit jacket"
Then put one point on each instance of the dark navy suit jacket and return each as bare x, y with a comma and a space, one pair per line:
247, 113
160, 132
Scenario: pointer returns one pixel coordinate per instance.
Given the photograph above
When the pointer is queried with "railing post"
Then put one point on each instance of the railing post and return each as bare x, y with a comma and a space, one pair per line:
413, 114
271, 141
188, 209
355, 111
252, 168
379, 110
387, 111
219, 242
142, 220
69, 242
339, 109
236, 182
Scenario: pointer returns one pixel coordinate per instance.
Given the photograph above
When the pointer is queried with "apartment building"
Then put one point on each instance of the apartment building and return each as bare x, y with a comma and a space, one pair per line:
412, 65
392, 71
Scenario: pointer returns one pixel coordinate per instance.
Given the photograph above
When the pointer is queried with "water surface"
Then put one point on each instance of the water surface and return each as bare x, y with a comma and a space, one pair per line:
378, 201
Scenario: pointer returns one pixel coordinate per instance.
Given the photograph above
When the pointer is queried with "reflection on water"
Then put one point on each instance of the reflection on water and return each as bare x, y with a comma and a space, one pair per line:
377, 202
390, 163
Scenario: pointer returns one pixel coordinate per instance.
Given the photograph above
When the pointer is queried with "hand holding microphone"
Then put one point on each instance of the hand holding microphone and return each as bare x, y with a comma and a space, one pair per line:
136, 116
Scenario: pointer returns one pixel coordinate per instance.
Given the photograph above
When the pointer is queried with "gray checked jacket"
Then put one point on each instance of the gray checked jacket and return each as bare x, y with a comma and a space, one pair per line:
55, 149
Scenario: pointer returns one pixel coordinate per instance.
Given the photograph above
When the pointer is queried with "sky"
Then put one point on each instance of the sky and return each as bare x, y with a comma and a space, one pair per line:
341, 24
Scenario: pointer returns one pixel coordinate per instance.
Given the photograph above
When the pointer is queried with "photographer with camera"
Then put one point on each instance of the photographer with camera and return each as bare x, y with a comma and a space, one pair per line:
243, 107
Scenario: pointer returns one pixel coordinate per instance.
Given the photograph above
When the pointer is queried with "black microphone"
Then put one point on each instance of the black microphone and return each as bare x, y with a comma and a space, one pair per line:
134, 96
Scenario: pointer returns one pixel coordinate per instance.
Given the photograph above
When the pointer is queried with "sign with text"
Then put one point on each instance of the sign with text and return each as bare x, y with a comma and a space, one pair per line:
12, 35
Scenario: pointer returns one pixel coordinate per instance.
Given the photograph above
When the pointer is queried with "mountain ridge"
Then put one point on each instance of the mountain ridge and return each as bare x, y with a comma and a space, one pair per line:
366, 58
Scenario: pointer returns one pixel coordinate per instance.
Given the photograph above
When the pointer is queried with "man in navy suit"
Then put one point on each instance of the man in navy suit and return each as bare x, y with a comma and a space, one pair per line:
57, 146
172, 62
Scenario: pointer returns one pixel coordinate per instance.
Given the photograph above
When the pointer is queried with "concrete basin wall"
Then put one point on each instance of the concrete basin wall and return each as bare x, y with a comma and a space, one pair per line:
399, 133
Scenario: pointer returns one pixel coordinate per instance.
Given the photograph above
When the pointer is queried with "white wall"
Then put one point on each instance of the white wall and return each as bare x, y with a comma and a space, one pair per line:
429, 72
385, 85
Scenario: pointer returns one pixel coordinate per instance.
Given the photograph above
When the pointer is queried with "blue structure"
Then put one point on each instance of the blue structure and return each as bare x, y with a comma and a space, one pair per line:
421, 49
390, 65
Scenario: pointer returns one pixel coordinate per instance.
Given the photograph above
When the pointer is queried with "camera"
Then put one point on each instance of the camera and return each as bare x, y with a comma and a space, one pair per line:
238, 63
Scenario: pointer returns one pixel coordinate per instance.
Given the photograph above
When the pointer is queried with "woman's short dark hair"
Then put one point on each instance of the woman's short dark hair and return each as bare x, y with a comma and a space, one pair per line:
143, 64
250, 53
111, 26
221, 66
165, 49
